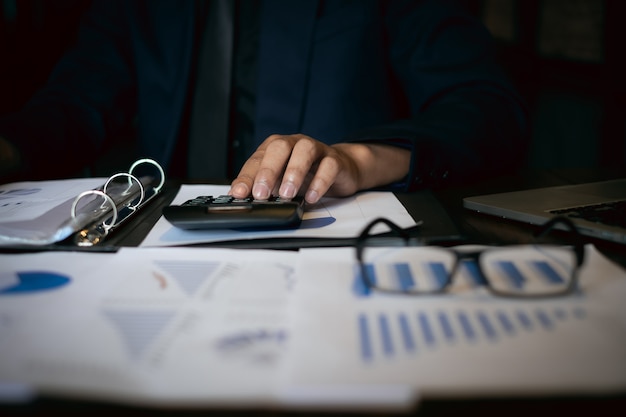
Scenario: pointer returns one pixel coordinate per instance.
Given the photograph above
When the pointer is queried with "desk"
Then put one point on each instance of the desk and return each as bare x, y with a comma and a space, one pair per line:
478, 228
487, 229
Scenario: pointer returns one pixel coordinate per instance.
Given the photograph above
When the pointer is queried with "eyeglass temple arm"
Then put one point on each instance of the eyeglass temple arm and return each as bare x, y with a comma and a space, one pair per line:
394, 228
577, 238
365, 234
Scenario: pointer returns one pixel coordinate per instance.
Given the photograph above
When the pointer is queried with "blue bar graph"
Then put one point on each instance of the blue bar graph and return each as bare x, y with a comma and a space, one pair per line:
485, 322
545, 320
439, 273
474, 272
367, 352
524, 320
466, 325
430, 275
446, 326
407, 334
404, 276
359, 287
385, 333
427, 331
548, 272
506, 322
384, 336
511, 272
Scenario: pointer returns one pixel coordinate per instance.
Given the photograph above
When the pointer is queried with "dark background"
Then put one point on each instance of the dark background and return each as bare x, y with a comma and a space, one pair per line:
565, 57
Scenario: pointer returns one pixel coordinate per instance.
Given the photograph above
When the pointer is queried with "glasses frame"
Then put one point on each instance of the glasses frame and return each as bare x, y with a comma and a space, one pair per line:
560, 222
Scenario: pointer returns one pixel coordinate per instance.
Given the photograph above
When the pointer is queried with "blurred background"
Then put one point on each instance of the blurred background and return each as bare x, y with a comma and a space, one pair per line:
565, 56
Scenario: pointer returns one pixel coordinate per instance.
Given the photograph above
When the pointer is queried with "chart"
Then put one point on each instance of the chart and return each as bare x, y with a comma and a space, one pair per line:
138, 329
385, 335
24, 282
510, 276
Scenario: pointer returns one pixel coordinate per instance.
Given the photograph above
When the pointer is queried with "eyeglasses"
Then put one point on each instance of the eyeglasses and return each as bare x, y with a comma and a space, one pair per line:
529, 270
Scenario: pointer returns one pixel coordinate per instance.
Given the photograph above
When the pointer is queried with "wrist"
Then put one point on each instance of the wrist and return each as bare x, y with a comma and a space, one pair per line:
377, 164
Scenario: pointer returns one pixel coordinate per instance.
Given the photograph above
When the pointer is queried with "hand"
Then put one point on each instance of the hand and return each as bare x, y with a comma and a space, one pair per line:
290, 164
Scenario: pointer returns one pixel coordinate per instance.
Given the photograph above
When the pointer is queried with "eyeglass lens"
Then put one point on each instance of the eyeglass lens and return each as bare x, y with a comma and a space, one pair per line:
520, 270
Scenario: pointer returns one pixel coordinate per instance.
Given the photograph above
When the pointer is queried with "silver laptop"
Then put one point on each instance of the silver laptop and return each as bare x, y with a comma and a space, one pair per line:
598, 209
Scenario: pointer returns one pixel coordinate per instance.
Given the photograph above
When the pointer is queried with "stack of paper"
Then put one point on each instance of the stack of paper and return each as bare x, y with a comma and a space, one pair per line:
248, 328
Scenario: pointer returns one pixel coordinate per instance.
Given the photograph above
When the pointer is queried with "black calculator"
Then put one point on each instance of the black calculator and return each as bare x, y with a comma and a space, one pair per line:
227, 212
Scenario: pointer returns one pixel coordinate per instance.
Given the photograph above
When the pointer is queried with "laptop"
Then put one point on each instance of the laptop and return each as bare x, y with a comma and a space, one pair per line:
598, 209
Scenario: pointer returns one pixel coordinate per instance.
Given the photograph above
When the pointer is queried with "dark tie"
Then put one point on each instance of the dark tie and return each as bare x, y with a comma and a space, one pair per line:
208, 140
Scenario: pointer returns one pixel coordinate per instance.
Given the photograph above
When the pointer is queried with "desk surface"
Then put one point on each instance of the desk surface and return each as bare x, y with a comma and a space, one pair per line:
477, 227
489, 229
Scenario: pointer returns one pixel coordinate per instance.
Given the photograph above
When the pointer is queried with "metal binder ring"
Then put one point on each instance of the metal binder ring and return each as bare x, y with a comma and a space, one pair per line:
156, 164
131, 177
106, 197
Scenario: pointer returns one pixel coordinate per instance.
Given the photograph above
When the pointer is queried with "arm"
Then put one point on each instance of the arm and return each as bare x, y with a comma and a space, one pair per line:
466, 119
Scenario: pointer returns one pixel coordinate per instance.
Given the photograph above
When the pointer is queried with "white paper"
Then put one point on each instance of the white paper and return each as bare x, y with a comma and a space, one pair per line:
157, 326
32, 212
222, 327
464, 342
331, 217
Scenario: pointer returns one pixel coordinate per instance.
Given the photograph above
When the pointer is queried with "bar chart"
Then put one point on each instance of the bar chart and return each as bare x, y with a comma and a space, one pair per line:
519, 276
384, 335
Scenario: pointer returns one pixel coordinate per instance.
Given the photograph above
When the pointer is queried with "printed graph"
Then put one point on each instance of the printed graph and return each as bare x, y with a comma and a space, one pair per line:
189, 275
317, 216
26, 282
530, 275
139, 329
385, 335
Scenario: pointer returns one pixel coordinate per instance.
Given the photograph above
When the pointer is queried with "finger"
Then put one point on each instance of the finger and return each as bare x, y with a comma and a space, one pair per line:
241, 186
271, 167
324, 178
303, 157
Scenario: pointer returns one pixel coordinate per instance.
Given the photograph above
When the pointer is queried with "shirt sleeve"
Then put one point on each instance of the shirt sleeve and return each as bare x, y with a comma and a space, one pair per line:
467, 121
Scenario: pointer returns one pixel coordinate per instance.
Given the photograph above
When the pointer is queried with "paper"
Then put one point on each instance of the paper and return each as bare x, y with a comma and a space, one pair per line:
252, 328
32, 212
331, 217
465, 342
156, 326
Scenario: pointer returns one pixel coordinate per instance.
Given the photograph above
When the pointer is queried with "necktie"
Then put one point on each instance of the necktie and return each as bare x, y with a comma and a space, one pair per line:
208, 140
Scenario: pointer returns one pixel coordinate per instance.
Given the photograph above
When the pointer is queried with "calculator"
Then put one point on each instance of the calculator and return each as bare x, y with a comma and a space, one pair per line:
228, 212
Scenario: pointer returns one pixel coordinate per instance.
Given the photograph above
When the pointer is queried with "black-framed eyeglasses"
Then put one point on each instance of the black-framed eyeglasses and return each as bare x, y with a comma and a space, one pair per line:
528, 270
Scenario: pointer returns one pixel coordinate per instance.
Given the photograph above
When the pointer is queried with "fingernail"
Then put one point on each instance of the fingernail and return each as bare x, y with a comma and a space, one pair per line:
312, 196
260, 191
240, 190
287, 190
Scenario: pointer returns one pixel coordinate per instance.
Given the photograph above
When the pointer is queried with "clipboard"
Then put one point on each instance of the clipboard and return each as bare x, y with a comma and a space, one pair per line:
89, 218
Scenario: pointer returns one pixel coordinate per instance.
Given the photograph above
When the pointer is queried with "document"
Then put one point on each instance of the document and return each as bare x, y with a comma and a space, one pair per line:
329, 218
208, 327
35, 212
147, 326
461, 343
38, 213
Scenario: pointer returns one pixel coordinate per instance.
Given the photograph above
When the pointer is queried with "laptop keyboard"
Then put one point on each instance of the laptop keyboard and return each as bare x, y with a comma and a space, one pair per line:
612, 214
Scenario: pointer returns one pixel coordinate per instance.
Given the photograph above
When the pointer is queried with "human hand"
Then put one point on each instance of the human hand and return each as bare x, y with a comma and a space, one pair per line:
290, 164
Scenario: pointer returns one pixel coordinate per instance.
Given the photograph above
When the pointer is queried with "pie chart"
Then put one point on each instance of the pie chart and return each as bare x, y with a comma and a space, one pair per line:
30, 282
